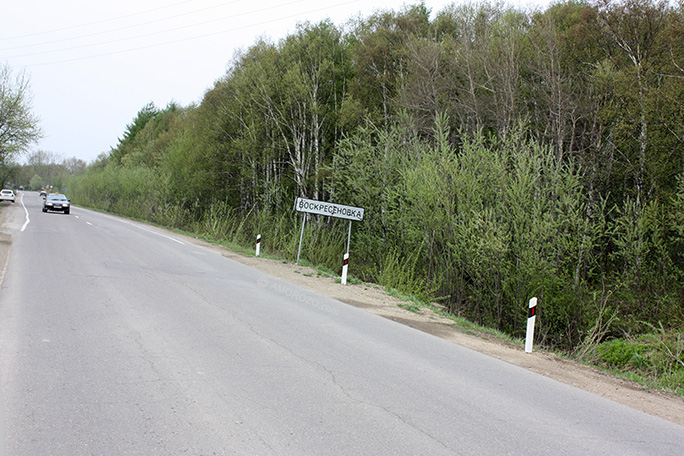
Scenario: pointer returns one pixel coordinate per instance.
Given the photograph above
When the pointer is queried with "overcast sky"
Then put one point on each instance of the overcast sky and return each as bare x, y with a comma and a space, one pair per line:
94, 65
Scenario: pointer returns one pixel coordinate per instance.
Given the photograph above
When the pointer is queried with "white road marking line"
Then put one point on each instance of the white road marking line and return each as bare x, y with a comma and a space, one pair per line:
28, 219
153, 232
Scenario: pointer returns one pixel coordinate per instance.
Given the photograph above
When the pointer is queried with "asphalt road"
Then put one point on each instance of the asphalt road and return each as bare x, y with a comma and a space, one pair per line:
119, 339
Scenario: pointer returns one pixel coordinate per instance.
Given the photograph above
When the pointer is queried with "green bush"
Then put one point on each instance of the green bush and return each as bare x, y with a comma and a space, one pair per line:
621, 354
656, 358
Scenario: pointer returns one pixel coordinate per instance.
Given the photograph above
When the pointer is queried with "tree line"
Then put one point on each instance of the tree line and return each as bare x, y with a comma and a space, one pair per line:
499, 154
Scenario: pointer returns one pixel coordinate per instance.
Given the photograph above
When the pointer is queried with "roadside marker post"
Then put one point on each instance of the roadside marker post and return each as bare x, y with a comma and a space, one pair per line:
345, 265
258, 245
531, 316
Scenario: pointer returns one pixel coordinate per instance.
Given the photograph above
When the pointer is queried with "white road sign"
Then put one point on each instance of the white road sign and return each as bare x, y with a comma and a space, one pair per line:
329, 209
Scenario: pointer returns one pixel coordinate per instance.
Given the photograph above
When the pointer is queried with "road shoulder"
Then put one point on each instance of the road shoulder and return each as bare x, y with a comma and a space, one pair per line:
7, 214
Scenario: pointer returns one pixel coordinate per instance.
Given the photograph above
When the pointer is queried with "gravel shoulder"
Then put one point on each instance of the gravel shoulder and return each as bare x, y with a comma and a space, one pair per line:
375, 300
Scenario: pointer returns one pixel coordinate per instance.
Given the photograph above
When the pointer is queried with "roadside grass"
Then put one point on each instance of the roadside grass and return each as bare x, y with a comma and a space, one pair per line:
654, 360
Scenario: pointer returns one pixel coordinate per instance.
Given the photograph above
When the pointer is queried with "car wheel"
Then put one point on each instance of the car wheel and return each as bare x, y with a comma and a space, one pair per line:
44, 209
66, 212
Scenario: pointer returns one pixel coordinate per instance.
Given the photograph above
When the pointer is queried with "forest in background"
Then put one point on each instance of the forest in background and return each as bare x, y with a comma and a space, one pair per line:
499, 154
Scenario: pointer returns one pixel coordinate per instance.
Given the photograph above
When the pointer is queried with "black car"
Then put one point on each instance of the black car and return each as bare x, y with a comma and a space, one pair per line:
56, 202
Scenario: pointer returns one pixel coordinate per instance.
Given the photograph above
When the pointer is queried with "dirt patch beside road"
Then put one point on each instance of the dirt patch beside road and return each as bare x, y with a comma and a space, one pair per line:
8, 215
375, 300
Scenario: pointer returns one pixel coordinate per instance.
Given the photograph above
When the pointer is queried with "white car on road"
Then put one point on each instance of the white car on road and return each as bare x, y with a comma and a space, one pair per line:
7, 195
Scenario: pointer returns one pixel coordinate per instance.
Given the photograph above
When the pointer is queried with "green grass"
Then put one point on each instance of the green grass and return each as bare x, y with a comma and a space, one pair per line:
410, 307
654, 360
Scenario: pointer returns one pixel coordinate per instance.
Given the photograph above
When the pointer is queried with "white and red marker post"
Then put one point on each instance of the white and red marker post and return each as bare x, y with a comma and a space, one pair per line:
258, 245
345, 266
531, 316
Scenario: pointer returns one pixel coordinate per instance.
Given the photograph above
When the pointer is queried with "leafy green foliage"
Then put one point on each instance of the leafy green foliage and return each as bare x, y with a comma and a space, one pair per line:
656, 357
18, 125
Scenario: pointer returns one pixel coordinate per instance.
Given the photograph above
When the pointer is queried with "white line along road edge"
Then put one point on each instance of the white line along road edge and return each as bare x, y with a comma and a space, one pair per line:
152, 231
28, 219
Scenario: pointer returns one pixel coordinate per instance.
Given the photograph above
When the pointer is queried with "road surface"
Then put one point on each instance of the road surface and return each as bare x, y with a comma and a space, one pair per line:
118, 338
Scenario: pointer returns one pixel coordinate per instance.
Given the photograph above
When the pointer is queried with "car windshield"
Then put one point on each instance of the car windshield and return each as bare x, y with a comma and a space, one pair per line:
57, 198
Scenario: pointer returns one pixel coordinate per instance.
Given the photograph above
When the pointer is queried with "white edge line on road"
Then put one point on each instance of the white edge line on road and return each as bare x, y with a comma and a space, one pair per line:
153, 232
28, 219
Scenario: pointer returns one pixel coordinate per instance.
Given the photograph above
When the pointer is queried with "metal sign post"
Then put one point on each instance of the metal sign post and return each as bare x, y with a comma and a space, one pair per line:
350, 213
301, 236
